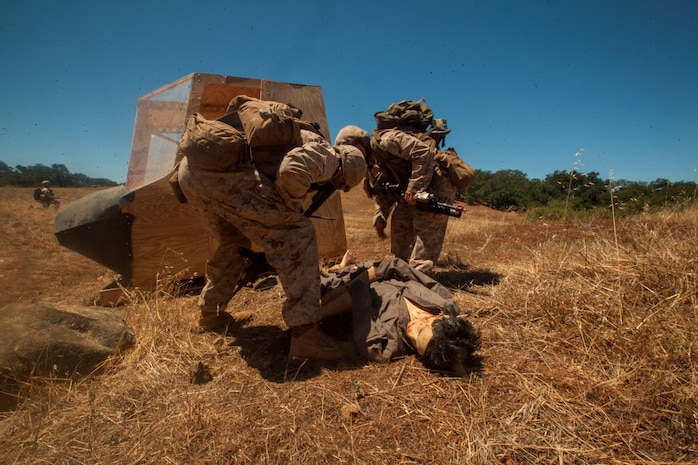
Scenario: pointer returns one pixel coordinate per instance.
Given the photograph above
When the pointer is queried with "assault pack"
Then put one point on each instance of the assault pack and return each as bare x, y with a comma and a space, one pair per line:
213, 145
252, 131
266, 124
459, 172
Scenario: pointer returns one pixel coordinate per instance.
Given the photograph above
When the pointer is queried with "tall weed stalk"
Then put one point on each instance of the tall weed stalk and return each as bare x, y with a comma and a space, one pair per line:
573, 176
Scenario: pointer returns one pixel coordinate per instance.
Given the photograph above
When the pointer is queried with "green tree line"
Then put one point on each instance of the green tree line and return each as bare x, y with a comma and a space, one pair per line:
58, 175
564, 194
559, 195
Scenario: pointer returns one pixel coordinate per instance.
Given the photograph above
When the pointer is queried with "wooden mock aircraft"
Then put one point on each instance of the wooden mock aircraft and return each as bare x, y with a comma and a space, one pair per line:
140, 230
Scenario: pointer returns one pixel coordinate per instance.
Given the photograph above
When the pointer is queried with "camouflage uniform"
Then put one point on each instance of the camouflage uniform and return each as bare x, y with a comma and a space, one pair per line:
416, 236
245, 206
47, 197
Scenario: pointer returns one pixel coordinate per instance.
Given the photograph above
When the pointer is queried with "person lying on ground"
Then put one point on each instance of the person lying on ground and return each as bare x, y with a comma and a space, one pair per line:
397, 310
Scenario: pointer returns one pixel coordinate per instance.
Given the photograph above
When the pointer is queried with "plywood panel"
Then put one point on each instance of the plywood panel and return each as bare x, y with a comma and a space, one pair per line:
211, 93
160, 111
216, 97
166, 236
307, 98
152, 118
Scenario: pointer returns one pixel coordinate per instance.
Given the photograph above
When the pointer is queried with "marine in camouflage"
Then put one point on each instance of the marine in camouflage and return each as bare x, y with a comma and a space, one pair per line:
416, 236
243, 207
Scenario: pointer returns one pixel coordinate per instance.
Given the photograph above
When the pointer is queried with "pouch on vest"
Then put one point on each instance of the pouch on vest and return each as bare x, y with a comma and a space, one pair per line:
267, 162
460, 173
213, 145
267, 124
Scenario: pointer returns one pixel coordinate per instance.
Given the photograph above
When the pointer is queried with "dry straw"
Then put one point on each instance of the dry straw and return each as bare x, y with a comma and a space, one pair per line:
589, 337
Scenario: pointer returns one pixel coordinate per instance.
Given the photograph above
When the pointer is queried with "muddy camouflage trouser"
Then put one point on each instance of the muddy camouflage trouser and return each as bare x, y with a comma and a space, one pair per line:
239, 208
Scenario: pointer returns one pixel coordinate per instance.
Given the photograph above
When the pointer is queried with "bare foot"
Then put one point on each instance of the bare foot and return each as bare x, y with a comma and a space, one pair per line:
347, 259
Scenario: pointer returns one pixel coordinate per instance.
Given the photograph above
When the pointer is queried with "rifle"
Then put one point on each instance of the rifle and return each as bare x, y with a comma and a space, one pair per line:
425, 200
323, 192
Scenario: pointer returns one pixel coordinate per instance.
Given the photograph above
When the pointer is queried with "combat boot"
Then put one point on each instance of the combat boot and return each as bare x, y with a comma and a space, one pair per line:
222, 321
311, 342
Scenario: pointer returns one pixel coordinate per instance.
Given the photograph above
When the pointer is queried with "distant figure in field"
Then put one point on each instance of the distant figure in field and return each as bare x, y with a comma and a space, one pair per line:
45, 196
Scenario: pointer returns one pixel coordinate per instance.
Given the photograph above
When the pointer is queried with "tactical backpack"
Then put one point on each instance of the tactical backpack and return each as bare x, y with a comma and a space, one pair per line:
406, 113
213, 145
460, 173
268, 125
252, 132
393, 169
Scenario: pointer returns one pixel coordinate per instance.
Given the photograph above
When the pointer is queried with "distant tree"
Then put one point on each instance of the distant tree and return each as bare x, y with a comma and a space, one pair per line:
591, 192
501, 190
562, 193
630, 197
59, 175
8, 175
538, 193
659, 184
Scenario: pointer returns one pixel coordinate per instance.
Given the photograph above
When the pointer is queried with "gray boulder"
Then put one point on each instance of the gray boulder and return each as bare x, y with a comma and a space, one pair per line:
49, 339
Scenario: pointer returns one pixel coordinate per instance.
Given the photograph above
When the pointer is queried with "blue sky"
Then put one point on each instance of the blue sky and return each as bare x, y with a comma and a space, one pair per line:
524, 84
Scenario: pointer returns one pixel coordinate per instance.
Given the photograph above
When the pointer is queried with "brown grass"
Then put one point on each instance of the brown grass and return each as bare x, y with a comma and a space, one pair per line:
590, 357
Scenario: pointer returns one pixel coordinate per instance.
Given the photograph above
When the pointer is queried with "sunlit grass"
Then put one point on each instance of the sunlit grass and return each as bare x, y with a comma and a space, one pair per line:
590, 335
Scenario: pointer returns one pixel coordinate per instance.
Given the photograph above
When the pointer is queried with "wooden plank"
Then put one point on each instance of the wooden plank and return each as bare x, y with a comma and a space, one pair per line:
215, 98
306, 97
167, 238
211, 93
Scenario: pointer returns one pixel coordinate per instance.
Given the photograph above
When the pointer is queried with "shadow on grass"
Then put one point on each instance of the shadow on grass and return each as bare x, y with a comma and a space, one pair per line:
465, 278
265, 348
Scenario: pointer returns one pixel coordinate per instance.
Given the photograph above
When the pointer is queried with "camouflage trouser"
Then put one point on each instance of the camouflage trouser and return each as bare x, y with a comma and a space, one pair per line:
417, 236
238, 208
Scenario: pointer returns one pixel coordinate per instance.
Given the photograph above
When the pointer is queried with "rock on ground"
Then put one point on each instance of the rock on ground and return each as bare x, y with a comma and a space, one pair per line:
56, 340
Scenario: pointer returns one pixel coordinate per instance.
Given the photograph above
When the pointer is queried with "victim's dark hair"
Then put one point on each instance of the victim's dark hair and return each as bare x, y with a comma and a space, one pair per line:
453, 344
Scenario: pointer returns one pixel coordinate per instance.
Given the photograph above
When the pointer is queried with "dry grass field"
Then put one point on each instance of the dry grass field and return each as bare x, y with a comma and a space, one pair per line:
590, 341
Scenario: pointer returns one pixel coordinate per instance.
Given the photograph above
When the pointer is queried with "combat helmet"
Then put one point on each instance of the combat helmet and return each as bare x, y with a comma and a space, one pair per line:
350, 135
439, 130
353, 165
